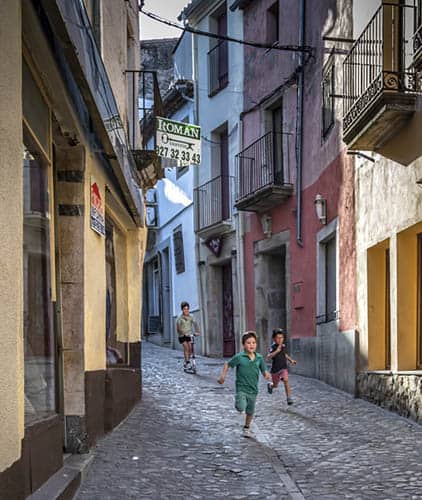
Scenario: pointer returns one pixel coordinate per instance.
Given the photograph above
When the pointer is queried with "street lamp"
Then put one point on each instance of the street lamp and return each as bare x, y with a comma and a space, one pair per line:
321, 208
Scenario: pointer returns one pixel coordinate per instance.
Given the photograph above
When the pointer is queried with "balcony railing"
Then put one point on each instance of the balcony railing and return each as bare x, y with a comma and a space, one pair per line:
263, 174
213, 203
378, 69
218, 68
146, 101
417, 37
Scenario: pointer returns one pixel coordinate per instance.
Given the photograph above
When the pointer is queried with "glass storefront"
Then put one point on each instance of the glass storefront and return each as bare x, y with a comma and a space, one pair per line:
116, 351
39, 336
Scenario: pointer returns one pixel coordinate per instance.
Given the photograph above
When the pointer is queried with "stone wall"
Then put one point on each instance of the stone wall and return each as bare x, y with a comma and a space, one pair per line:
401, 393
330, 357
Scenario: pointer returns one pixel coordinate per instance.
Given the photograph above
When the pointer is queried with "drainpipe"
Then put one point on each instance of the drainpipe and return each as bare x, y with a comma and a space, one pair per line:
199, 267
299, 126
241, 252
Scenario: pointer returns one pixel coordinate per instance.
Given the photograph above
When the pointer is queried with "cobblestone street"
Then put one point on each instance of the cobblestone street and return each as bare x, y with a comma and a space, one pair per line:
184, 441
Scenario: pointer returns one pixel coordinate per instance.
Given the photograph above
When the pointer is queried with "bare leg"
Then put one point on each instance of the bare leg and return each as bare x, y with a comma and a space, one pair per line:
248, 420
186, 351
287, 388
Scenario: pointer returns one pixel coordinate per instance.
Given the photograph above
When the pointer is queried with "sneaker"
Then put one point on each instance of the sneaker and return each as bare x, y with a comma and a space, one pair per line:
270, 388
247, 432
289, 401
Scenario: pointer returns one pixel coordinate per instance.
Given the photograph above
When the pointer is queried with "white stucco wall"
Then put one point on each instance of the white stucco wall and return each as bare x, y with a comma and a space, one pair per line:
175, 208
227, 104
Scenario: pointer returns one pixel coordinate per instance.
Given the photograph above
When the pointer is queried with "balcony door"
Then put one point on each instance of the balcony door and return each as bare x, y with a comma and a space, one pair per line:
277, 128
225, 177
229, 344
223, 60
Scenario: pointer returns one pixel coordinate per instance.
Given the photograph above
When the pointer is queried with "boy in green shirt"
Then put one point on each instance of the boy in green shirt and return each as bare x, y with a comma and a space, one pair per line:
248, 364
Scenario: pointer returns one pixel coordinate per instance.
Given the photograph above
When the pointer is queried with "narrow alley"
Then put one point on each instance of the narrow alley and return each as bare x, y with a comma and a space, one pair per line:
183, 440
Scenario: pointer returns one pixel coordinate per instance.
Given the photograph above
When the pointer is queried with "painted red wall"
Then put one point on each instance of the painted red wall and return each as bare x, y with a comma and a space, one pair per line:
336, 186
326, 170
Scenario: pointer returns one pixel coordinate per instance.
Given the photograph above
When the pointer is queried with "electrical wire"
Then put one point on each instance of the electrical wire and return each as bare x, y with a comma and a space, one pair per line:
267, 46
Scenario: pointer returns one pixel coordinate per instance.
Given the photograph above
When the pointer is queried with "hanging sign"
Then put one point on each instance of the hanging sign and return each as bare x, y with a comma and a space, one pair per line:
97, 209
178, 141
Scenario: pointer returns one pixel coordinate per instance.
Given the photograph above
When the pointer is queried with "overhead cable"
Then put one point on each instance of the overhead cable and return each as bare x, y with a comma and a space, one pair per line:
274, 46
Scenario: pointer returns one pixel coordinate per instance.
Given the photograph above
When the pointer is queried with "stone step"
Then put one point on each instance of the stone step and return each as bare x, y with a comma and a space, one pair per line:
64, 484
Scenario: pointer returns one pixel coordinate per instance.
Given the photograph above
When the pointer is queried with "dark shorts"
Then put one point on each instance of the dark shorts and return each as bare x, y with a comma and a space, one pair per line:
184, 338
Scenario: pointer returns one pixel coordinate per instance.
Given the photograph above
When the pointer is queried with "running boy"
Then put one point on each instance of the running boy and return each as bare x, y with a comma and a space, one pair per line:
184, 324
248, 364
277, 353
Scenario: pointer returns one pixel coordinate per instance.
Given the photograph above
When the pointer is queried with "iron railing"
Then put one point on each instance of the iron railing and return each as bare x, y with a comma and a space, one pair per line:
379, 61
213, 202
218, 68
264, 163
146, 104
417, 36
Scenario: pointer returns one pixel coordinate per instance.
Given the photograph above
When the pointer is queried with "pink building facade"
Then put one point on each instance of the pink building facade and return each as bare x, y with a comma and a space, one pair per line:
295, 185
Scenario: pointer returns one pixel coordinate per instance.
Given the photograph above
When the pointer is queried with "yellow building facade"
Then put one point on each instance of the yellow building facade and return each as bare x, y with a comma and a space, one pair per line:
72, 231
382, 127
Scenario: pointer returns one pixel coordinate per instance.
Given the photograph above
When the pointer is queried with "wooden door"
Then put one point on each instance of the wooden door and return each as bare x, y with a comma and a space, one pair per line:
229, 344
225, 177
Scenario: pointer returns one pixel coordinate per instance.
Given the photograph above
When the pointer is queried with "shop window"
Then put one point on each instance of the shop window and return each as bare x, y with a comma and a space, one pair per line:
273, 24
38, 279
328, 86
39, 337
35, 110
116, 350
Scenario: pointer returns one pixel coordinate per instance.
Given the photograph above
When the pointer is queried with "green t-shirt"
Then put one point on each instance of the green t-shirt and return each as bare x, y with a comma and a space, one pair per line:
247, 371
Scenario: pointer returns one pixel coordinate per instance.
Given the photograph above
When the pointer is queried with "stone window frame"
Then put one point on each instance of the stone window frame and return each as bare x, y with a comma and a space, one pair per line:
178, 250
323, 236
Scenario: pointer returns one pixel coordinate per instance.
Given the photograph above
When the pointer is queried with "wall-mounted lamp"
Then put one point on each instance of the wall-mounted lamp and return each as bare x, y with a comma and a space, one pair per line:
321, 208
267, 225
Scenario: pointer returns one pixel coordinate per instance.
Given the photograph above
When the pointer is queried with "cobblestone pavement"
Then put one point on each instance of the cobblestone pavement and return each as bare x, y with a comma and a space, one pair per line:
183, 441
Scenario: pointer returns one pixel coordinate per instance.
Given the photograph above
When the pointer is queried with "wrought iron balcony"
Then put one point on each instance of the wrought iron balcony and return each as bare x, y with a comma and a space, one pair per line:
146, 105
262, 173
380, 81
218, 68
213, 206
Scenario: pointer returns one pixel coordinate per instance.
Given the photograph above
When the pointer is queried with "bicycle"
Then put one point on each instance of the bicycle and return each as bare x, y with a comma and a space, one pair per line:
191, 364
